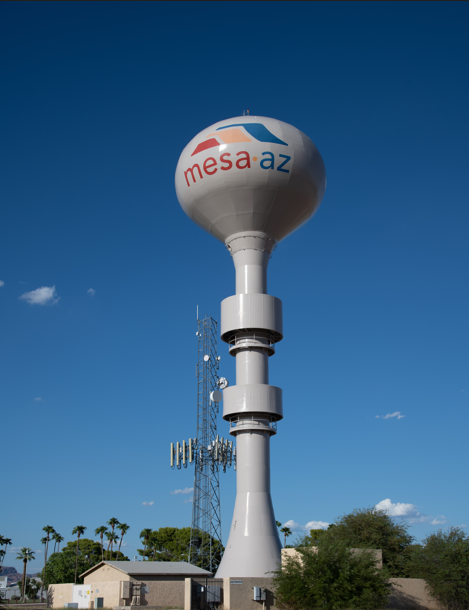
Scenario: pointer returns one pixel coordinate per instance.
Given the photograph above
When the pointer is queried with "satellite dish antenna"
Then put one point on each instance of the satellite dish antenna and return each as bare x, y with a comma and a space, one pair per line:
223, 383
216, 396
206, 357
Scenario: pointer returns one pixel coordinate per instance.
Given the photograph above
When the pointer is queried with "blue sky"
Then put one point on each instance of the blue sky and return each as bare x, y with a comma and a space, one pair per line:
97, 378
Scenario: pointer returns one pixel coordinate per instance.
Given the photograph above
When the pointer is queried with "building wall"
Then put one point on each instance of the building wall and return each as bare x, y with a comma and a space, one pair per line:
164, 591
81, 595
239, 596
109, 591
410, 593
378, 553
106, 574
407, 594
58, 595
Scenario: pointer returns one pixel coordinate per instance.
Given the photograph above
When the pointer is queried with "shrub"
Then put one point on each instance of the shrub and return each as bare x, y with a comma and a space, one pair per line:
443, 561
369, 528
330, 578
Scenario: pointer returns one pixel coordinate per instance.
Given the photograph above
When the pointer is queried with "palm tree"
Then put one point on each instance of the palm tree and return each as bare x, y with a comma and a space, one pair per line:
112, 537
145, 534
78, 530
49, 530
124, 528
57, 540
286, 531
100, 531
113, 523
6, 542
43, 542
25, 555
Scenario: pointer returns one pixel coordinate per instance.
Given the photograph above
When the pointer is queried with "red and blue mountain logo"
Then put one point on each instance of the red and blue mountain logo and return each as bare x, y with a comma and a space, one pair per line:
235, 134
231, 134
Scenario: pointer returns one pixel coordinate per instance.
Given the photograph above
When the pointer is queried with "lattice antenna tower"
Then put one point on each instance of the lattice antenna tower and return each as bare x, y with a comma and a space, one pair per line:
208, 452
206, 512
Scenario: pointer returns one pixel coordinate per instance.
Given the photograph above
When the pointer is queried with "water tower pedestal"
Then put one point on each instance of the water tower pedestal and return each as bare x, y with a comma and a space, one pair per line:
251, 323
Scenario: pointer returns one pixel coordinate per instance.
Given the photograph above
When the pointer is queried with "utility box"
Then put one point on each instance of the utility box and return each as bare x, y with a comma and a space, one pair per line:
74, 605
99, 602
259, 594
125, 589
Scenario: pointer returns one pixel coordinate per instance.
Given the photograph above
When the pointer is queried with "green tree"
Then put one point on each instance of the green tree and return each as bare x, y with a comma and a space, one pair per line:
100, 531
145, 534
32, 587
313, 538
370, 528
331, 577
49, 530
443, 561
61, 566
124, 528
167, 544
286, 531
25, 555
78, 530
173, 544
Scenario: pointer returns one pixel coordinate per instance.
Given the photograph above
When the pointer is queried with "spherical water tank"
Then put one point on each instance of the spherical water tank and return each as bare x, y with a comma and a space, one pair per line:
250, 174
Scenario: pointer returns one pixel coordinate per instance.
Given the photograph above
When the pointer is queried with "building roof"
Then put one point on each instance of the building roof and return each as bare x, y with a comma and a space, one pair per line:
160, 568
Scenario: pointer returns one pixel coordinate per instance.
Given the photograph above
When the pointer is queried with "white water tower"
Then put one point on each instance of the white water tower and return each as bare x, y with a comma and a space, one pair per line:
251, 181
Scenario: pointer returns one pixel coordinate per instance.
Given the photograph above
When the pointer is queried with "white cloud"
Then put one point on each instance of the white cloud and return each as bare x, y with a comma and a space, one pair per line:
397, 414
311, 525
409, 512
38, 399
398, 509
41, 296
189, 500
439, 520
2, 283
91, 291
317, 525
187, 490
148, 503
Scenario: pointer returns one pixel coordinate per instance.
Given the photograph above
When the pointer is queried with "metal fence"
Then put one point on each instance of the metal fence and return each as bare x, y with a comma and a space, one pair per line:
207, 593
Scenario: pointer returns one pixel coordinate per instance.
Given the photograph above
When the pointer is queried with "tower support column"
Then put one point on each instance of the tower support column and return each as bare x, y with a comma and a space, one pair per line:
251, 323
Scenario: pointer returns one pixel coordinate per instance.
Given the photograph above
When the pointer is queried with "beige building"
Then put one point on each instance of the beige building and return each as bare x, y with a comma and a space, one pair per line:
128, 583
149, 585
